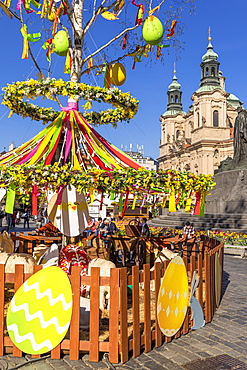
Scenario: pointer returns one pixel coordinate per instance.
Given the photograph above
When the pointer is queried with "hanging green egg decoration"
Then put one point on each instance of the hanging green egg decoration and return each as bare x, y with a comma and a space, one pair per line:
152, 31
61, 43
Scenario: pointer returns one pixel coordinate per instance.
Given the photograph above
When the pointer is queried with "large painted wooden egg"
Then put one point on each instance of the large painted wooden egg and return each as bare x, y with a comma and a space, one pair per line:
173, 299
117, 74
39, 314
61, 43
152, 30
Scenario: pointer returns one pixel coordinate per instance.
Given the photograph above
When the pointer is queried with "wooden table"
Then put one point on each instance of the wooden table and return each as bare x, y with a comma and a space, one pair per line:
30, 240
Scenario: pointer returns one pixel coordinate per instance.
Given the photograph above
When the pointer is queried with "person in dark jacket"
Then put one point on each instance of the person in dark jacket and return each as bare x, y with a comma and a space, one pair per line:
145, 229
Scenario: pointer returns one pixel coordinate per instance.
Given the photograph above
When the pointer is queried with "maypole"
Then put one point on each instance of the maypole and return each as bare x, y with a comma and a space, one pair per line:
69, 159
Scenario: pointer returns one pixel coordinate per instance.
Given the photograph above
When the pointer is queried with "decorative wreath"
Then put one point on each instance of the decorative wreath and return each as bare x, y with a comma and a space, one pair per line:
125, 105
141, 180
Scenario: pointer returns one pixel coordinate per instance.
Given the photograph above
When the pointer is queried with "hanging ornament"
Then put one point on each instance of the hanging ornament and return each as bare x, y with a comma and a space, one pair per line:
117, 74
68, 63
61, 43
152, 31
107, 77
140, 15
124, 41
109, 16
89, 65
117, 9
172, 29
158, 52
49, 46
28, 37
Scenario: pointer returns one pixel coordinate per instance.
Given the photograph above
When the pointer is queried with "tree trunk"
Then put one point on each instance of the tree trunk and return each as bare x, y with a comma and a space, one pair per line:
78, 41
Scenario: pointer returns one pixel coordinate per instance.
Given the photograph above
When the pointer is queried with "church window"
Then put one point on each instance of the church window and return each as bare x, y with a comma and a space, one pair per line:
215, 118
176, 99
177, 134
198, 120
206, 74
213, 72
171, 98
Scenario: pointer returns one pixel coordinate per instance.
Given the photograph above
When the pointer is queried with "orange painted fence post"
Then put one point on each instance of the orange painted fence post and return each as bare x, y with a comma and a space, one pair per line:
94, 314
124, 348
114, 316
136, 312
75, 320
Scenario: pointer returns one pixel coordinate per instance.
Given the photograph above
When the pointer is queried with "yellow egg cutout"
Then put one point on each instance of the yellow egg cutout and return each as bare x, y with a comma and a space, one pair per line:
218, 273
117, 74
40, 312
152, 30
173, 297
61, 43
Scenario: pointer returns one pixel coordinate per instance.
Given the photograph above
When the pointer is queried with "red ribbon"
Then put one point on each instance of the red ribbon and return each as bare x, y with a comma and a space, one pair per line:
35, 195
125, 202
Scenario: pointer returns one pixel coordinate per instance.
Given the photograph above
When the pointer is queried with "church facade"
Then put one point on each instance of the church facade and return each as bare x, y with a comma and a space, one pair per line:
197, 141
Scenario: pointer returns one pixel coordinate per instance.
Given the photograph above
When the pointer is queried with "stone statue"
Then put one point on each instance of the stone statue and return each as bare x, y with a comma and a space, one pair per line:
240, 137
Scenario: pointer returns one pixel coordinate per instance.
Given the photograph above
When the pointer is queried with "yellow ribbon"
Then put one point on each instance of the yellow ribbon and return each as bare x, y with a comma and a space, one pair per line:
154, 10
134, 202
188, 205
172, 202
28, 37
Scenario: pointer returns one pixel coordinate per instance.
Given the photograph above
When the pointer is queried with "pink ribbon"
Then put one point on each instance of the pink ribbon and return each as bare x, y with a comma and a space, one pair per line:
70, 106
18, 6
59, 195
30, 155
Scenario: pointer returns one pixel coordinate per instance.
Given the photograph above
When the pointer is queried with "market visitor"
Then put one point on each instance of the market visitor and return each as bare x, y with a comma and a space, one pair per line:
25, 217
145, 229
188, 230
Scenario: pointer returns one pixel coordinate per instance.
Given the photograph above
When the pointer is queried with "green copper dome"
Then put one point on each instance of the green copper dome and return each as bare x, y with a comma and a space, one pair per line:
210, 54
174, 85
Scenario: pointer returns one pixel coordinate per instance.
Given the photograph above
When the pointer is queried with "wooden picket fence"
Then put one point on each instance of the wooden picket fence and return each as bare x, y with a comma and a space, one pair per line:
132, 318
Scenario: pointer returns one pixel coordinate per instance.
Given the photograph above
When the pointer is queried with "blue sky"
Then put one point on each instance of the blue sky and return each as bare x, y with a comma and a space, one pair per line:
148, 82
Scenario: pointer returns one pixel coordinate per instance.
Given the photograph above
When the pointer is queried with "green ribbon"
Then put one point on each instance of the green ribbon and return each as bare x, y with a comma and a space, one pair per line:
10, 199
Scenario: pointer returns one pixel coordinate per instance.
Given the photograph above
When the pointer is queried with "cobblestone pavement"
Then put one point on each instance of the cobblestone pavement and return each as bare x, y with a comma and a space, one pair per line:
226, 334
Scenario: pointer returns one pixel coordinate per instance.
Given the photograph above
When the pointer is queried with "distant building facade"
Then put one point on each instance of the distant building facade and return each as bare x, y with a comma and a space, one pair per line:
200, 139
148, 162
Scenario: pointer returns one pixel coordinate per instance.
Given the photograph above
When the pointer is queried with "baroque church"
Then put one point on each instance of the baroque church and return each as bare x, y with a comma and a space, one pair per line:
197, 141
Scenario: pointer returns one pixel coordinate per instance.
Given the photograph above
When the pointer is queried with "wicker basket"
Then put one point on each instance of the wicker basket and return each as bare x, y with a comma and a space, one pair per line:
132, 229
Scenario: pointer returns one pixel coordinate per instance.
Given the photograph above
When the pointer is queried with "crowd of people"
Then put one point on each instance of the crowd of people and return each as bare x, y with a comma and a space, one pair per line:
10, 220
100, 227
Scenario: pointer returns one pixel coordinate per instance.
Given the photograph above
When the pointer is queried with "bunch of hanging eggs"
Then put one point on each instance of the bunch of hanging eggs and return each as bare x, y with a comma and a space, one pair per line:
152, 31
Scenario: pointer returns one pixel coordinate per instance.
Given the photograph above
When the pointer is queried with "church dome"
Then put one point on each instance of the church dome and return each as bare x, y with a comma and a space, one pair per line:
234, 101
174, 85
210, 54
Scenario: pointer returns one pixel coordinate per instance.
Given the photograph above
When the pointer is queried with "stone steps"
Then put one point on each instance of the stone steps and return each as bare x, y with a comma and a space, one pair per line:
225, 222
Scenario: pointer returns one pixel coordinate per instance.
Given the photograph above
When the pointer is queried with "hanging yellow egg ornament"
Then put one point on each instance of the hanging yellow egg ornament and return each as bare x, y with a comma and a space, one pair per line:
152, 30
61, 43
117, 74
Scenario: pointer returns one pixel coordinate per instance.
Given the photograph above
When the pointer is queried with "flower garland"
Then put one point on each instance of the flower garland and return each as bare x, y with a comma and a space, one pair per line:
125, 105
95, 180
